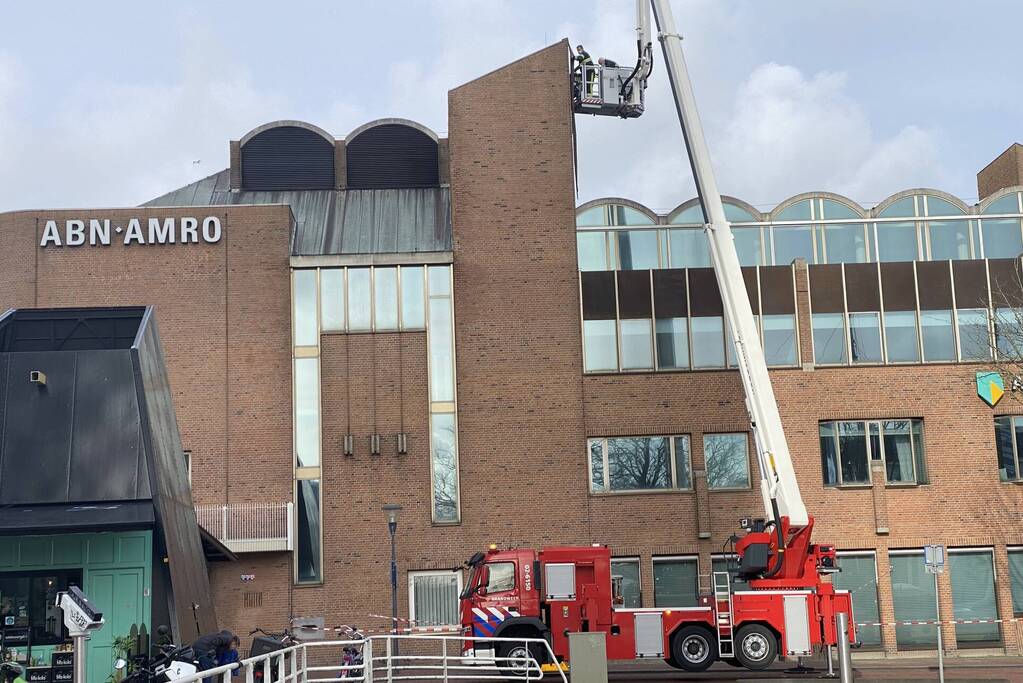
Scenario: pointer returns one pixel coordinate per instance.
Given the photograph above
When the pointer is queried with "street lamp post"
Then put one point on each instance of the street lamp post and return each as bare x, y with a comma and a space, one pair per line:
392, 510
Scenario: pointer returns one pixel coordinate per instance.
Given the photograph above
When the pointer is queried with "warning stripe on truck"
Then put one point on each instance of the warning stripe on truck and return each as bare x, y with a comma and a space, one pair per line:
486, 620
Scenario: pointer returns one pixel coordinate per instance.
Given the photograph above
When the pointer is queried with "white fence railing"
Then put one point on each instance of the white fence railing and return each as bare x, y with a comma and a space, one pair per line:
249, 527
390, 658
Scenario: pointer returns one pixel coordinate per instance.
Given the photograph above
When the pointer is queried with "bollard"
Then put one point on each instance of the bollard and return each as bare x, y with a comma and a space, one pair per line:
845, 673
831, 661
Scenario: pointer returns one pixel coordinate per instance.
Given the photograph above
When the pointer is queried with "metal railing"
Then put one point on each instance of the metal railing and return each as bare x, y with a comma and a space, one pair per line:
249, 527
390, 658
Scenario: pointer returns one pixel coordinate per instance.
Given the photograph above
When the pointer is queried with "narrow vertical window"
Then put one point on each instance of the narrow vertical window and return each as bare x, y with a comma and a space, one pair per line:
413, 298
307, 512
859, 577
974, 343
973, 597
913, 597
628, 570
385, 298
780, 340
637, 347
360, 300
600, 345
939, 336
828, 338
307, 412
442, 371
445, 467
865, 337
672, 343
901, 338
332, 300
306, 332
708, 342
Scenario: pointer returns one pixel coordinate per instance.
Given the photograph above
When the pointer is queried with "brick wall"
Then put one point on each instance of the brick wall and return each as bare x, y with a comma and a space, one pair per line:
1005, 171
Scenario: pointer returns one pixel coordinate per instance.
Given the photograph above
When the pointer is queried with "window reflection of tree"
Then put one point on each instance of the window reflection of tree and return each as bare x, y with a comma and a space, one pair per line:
445, 469
639, 463
727, 465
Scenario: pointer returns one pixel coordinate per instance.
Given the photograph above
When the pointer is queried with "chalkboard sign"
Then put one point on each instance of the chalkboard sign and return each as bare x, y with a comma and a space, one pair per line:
37, 674
63, 659
63, 674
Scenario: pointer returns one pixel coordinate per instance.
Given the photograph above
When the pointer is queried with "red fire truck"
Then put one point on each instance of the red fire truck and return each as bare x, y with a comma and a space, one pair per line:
788, 609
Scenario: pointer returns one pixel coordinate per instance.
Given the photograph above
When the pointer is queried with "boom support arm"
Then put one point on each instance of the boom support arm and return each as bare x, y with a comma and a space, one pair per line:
778, 484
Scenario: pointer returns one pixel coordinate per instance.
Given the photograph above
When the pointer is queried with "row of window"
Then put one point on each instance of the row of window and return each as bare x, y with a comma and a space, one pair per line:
662, 463
833, 233
848, 447
678, 343
928, 336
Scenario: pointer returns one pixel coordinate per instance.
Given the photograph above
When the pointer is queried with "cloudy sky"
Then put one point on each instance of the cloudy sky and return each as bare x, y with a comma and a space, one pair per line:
113, 103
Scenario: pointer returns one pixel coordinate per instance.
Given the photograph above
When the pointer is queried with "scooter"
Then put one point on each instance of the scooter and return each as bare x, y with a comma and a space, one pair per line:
172, 663
351, 656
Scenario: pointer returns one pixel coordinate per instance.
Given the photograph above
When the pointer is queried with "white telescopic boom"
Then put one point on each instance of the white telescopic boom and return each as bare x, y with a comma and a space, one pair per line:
777, 476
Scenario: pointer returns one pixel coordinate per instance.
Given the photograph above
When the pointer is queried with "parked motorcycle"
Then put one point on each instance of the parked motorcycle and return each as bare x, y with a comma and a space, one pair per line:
269, 641
171, 662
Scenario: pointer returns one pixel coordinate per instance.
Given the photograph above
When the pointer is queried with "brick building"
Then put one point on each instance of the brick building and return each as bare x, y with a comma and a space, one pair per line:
397, 317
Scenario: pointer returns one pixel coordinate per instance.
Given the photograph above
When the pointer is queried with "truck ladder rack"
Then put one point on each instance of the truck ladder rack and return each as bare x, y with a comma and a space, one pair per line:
722, 584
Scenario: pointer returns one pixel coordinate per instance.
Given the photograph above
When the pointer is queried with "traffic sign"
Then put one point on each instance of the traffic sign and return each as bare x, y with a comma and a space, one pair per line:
934, 558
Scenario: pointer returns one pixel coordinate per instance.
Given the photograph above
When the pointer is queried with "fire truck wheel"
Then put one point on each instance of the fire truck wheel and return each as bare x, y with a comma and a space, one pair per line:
693, 648
517, 654
756, 646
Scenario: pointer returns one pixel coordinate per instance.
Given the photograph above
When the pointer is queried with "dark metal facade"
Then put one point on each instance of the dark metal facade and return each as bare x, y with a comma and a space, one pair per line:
288, 158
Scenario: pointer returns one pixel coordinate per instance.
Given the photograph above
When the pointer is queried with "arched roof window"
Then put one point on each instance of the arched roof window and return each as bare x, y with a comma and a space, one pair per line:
392, 154
287, 155
611, 212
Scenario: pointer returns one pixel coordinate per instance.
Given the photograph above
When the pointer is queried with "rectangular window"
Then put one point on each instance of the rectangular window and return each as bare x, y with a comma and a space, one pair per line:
913, 598
949, 240
675, 581
307, 412
727, 460
900, 336
433, 597
689, 248
413, 297
1008, 325
440, 343
1016, 580
848, 447
865, 337
974, 343
592, 248
637, 346
1002, 238
385, 298
730, 564
28, 602
1008, 442
332, 300
628, 570
188, 465
637, 249
360, 300
445, 467
439, 280
748, 245
600, 345
780, 340
308, 559
846, 243
939, 336
828, 338
306, 329
859, 577
896, 242
973, 596
708, 342
640, 463
672, 343
792, 242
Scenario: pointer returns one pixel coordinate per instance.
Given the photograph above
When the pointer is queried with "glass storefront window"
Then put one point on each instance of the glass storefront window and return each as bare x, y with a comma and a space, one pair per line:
307, 509
828, 338
708, 342
306, 331
637, 349
780, 340
600, 345
307, 412
900, 335
413, 297
28, 603
974, 343
445, 467
332, 300
939, 336
859, 577
637, 249
865, 337
628, 569
972, 574
675, 581
792, 242
913, 598
727, 461
689, 248
896, 242
592, 247
360, 300
672, 343
385, 298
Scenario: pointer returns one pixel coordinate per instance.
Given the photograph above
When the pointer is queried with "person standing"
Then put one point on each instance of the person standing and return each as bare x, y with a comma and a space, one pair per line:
584, 65
210, 647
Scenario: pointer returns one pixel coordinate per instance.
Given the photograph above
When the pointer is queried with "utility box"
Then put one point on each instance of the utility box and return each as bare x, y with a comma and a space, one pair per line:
587, 655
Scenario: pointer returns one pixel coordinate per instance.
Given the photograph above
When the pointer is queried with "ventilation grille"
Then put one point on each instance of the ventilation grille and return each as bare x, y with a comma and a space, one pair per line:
253, 599
288, 158
391, 155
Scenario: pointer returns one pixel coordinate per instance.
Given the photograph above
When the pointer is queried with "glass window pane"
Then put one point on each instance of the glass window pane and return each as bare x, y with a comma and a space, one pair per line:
828, 338
1007, 470
637, 350
626, 215
307, 412
939, 337
435, 599
360, 303
859, 577
918, 451
829, 453
439, 280
731, 565
629, 571
332, 300
973, 596
445, 467
1002, 238
1008, 329
708, 342
638, 463
852, 450
600, 345
675, 583
592, 248
901, 337
385, 298
903, 207
727, 461
595, 215
672, 343
950, 240
693, 214
846, 243
413, 297
792, 242
683, 465
1017, 423
936, 206
913, 596
747, 243
440, 343
796, 212
1016, 581
307, 506
306, 333
597, 465
974, 343
1007, 204
689, 248
637, 249
833, 209
896, 242
898, 452
780, 340
865, 337
737, 214
501, 577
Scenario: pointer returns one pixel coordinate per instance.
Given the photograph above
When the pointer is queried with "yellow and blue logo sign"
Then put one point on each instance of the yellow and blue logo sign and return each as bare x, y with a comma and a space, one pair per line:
990, 387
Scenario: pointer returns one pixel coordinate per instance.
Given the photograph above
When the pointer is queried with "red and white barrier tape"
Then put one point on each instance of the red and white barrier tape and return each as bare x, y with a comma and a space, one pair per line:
932, 622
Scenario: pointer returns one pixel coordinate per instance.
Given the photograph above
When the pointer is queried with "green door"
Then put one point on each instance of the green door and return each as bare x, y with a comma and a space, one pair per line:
118, 594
